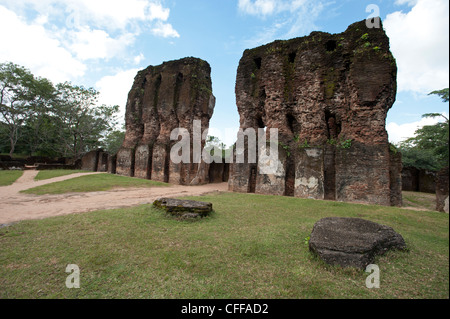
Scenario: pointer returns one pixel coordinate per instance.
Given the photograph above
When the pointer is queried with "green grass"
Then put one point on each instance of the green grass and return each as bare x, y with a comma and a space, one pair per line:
91, 183
47, 174
419, 200
9, 177
252, 246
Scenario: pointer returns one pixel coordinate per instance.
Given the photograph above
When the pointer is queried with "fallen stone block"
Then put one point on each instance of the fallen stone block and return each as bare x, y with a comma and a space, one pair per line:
183, 208
352, 242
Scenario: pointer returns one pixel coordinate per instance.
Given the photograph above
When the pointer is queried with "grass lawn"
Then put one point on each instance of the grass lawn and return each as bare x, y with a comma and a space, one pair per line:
419, 200
92, 183
7, 177
252, 246
47, 174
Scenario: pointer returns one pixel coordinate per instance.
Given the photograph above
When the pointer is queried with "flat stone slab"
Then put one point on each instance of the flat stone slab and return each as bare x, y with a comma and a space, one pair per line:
352, 242
184, 208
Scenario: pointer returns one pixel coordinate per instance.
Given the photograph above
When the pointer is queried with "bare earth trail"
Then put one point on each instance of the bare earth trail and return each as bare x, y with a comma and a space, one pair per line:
16, 206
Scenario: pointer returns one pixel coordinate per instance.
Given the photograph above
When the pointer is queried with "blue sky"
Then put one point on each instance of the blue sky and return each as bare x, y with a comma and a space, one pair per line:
103, 43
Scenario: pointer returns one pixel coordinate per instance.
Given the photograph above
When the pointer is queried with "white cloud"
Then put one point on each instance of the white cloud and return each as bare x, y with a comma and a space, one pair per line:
419, 41
138, 59
56, 38
292, 18
408, 2
32, 46
98, 44
257, 7
265, 8
165, 30
114, 89
157, 12
398, 133
109, 14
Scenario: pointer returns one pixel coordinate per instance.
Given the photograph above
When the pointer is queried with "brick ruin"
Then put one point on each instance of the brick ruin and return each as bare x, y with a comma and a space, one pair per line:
328, 95
442, 199
162, 98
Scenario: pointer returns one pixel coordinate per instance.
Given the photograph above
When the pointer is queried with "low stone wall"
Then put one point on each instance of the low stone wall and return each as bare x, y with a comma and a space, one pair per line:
7, 162
218, 172
42, 167
442, 200
418, 180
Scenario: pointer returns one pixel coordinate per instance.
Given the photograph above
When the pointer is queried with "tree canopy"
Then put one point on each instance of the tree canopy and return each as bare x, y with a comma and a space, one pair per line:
429, 148
39, 118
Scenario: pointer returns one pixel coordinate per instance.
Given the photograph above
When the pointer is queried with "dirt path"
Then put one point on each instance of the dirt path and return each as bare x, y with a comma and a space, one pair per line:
16, 206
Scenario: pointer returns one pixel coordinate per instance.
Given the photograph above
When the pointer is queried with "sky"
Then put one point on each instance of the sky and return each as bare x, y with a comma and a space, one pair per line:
104, 43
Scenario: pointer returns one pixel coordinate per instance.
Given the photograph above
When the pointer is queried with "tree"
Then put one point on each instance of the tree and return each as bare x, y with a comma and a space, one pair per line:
214, 143
40, 118
82, 124
429, 148
22, 96
442, 93
113, 141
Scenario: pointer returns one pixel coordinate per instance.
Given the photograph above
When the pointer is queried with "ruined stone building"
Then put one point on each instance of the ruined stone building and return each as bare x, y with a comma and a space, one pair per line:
162, 98
328, 95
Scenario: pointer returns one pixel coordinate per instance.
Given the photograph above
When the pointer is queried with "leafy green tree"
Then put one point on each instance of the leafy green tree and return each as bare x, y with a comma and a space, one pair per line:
442, 93
429, 148
422, 159
39, 118
22, 96
82, 124
113, 141
213, 142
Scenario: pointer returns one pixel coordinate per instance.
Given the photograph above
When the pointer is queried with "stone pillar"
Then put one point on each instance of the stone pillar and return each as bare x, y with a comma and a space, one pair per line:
309, 174
175, 94
328, 95
442, 200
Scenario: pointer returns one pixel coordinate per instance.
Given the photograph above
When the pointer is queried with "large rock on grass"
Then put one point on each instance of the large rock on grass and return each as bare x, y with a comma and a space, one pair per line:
352, 242
184, 208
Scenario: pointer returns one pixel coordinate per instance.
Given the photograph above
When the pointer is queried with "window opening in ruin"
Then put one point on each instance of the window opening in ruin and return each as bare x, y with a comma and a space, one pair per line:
156, 92
292, 57
333, 126
289, 182
258, 62
329, 173
331, 45
292, 123
260, 123
178, 84
252, 180
167, 165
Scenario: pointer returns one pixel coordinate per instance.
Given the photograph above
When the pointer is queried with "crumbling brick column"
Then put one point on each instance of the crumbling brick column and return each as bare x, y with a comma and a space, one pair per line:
328, 95
165, 97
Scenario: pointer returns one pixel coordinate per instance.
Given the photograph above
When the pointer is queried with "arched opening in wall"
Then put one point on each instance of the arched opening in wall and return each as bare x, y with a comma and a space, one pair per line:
260, 123
289, 182
329, 165
258, 62
252, 179
333, 126
330, 45
292, 57
253, 167
178, 83
156, 91
292, 123
167, 165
